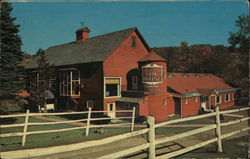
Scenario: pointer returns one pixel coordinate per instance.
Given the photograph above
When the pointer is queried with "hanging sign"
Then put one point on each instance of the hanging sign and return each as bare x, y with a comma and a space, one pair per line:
152, 74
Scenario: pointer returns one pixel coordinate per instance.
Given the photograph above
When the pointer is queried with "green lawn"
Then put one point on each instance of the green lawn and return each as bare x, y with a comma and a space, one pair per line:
53, 139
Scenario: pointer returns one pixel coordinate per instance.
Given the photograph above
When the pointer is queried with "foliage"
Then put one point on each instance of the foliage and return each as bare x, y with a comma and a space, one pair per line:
12, 77
217, 60
40, 80
241, 38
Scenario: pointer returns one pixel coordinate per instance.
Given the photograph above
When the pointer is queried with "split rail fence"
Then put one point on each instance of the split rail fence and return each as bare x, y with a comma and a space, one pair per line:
87, 127
152, 142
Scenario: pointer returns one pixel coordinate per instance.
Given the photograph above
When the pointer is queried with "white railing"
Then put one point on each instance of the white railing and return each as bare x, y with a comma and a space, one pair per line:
152, 142
87, 127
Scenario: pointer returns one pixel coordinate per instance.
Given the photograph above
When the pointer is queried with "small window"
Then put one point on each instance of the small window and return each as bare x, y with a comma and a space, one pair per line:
227, 98
218, 99
112, 87
90, 104
234, 96
133, 42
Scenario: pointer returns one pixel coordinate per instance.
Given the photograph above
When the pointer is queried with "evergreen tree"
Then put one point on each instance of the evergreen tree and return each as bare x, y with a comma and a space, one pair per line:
11, 55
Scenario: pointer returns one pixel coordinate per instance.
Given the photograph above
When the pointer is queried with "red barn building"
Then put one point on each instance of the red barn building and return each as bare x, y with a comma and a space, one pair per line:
118, 71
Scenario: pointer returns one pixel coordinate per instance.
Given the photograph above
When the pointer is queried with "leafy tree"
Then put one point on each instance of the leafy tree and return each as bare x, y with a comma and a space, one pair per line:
241, 38
41, 79
12, 80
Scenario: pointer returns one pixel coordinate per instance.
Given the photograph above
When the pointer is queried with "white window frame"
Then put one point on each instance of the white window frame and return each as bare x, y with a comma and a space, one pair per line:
70, 82
118, 89
186, 100
234, 96
219, 98
90, 104
165, 102
196, 99
229, 99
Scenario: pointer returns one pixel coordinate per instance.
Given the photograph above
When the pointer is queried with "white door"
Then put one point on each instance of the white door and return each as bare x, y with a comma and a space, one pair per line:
111, 110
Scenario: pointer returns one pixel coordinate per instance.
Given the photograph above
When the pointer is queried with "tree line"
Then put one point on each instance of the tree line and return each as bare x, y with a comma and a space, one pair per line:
229, 63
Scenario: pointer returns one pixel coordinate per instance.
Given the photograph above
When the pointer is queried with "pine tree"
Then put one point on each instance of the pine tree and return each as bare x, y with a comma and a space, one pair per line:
11, 55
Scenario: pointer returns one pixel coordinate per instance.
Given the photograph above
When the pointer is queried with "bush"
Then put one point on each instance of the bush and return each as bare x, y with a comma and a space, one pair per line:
140, 119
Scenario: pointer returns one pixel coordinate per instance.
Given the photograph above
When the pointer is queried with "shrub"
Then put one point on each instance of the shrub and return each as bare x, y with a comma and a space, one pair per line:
140, 119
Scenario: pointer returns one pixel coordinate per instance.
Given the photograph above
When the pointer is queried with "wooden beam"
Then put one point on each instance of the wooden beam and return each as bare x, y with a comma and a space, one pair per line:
151, 137
218, 130
187, 149
126, 152
184, 119
185, 134
25, 127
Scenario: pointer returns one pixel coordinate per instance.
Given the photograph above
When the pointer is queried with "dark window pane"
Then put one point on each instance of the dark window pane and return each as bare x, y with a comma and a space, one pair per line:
111, 90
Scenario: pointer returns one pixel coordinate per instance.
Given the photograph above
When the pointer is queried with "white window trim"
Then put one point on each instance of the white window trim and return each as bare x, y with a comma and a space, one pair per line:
119, 91
165, 102
229, 99
196, 99
90, 101
217, 101
234, 96
186, 100
71, 81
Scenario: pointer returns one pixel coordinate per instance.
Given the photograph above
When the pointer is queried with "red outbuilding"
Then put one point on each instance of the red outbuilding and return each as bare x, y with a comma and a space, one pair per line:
118, 71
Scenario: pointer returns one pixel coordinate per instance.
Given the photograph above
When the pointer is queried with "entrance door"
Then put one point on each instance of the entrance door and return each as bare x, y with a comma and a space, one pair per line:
111, 110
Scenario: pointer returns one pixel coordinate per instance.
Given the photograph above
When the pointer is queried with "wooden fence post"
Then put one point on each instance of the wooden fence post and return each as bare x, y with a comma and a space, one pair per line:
88, 122
218, 130
151, 137
133, 119
25, 127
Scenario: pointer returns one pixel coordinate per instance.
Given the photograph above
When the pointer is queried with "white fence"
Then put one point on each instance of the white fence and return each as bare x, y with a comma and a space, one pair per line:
152, 142
87, 127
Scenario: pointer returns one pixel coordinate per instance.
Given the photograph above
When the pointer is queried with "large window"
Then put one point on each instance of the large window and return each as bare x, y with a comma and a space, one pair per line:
70, 83
112, 86
37, 81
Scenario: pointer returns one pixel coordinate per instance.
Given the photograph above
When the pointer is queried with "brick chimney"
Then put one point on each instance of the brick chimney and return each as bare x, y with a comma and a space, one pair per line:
82, 34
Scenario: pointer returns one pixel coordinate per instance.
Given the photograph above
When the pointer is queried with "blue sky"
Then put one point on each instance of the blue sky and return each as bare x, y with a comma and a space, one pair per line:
45, 24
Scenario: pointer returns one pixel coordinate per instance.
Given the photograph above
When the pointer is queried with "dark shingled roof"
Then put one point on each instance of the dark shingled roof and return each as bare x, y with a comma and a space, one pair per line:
94, 49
